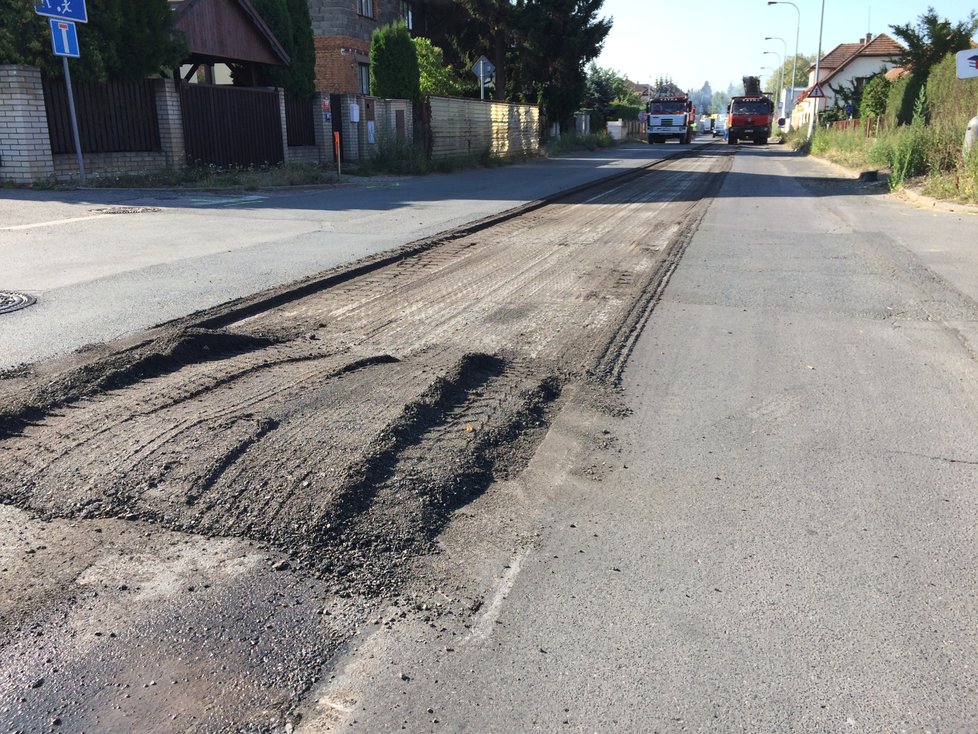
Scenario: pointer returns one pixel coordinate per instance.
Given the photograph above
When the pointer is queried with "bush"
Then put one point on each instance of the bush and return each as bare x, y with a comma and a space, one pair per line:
394, 72
875, 94
624, 112
397, 156
909, 155
572, 142
900, 101
797, 139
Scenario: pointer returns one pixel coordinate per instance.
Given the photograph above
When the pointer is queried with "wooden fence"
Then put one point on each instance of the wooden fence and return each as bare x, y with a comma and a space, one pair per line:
870, 126
113, 117
231, 126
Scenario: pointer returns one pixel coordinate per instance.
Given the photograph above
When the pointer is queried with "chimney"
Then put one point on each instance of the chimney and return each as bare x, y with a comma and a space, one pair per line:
869, 37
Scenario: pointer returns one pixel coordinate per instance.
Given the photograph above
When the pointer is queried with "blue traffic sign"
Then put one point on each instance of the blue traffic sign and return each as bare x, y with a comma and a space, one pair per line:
64, 9
64, 38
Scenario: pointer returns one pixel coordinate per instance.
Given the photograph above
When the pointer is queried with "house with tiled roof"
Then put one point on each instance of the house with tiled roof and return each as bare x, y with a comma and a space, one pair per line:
845, 65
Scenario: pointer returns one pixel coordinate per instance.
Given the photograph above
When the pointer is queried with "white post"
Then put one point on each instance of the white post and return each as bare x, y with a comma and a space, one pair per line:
814, 121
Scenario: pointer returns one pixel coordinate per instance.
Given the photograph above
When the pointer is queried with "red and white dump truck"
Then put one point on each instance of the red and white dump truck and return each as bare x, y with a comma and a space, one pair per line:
750, 117
671, 117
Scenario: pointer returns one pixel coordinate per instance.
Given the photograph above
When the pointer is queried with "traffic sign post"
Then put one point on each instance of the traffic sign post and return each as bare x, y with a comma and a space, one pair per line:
483, 69
63, 14
64, 38
73, 10
967, 62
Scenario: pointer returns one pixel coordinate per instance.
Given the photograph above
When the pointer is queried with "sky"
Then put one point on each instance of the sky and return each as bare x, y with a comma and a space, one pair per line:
720, 42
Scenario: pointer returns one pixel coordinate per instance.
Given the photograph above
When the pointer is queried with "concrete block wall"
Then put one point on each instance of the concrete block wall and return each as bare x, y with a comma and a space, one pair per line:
323, 129
342, 40
341, 17
25, 146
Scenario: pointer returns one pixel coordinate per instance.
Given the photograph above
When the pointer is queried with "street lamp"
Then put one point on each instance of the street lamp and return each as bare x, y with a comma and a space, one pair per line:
780, 64
784, 108
794, 61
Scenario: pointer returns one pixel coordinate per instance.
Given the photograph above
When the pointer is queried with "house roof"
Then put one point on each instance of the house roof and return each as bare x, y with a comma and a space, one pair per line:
882, 47
844, 53
896, 72
227, 30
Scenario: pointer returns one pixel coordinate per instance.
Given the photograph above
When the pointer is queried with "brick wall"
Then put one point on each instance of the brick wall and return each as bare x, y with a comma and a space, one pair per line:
342, 39
306, 155
337, 59
25, 147
109, 164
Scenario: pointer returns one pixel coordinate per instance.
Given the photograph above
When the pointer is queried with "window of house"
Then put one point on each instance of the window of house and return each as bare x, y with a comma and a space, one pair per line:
364, 72
407, 13
366, 7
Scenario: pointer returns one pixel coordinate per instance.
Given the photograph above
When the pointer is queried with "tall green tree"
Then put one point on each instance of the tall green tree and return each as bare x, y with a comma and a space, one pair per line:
927, 42
664, 86
702, 98
933, 38
559, 37
394, 69
719, 102
303, 51
289, 22
435, 76
122, 40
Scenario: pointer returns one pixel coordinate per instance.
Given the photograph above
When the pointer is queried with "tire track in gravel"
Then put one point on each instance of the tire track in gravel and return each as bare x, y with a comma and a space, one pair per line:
357, 417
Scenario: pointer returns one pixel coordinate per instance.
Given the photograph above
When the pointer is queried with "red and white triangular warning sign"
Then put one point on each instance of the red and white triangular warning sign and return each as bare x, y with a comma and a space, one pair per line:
816, 92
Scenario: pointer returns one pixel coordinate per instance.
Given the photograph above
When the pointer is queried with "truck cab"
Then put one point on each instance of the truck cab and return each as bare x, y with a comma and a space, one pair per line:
671, 117
749, 117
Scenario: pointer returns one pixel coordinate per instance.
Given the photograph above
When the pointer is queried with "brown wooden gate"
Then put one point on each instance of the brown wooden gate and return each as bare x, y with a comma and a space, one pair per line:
231, 126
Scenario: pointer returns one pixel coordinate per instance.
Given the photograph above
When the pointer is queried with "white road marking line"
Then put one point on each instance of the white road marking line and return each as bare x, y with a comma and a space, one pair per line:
484, 627
51, 223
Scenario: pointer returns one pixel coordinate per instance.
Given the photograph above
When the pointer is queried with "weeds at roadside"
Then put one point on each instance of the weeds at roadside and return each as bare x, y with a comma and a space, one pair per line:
571, 142
931, 154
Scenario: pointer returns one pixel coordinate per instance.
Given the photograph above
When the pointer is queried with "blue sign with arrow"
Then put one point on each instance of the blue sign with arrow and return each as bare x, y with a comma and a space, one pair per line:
64, 38
73, 10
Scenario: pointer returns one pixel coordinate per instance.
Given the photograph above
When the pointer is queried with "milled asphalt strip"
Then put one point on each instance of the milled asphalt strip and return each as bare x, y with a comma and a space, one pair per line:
238, 310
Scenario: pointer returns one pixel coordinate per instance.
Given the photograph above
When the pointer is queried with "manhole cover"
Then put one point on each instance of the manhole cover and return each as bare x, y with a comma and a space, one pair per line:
126, 210
10, 301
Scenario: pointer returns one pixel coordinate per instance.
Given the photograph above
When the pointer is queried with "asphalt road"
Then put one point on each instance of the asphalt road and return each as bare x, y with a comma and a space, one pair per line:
770, 527
781, 533
105, 264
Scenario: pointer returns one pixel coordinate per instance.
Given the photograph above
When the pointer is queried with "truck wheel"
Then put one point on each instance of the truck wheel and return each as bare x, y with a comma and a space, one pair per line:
651, 139
731, 140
